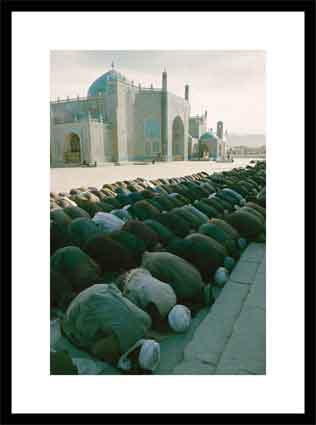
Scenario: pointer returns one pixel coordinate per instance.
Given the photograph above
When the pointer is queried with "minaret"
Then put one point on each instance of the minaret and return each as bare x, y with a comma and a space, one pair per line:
164, 116
204, 123
186, 92
220, 130
164, 80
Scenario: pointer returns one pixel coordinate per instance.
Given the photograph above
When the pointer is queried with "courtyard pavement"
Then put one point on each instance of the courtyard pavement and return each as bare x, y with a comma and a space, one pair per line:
64, 179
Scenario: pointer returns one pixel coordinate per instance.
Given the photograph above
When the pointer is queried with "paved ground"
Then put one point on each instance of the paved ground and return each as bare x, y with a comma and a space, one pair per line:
63, 179
232, 339
229, 338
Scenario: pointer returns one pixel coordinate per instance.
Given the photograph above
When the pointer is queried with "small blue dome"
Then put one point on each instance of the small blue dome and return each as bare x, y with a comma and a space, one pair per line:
100, 84
208, 136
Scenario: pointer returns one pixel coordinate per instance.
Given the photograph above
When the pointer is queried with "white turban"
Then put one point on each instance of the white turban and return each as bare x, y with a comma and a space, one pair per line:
179, 318
149, 355
108, 222
221, 276
148, 358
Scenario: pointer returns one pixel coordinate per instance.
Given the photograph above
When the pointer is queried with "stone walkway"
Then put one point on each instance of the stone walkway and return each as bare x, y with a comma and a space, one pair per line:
231, 339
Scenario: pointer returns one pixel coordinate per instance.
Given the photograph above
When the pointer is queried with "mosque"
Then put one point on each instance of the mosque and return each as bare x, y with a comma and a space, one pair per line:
120, 121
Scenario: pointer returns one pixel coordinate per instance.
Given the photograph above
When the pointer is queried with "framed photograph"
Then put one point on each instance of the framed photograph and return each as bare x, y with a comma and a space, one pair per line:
173, 278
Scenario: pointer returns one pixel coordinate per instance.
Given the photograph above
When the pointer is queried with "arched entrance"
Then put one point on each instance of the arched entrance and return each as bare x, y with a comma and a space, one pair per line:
72, 151
178, 139
204, 151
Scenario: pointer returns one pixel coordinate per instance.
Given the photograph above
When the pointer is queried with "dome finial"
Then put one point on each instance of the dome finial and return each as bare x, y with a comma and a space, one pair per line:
112, 64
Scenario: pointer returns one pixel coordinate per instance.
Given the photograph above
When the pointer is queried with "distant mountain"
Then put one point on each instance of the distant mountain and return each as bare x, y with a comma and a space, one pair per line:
251, 140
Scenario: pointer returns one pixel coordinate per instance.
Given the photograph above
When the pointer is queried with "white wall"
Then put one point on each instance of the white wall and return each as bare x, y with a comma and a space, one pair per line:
126, 120
96, 130
148, 106
67, 110
108, 143
58, 134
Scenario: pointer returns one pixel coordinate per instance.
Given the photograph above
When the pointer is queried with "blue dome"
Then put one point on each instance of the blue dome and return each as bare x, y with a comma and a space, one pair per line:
100, 84
208, 136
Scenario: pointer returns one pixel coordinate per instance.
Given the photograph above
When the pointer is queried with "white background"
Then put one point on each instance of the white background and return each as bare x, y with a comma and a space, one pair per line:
281, 35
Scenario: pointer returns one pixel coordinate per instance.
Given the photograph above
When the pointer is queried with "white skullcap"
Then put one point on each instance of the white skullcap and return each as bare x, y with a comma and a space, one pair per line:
149, 355
108, 222
179, 318
221, 276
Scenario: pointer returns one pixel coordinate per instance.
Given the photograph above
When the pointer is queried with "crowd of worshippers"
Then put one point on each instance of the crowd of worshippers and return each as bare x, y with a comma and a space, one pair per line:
143, 255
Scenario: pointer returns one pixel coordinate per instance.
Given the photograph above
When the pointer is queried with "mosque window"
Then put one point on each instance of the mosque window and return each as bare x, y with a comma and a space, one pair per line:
152, 129
156, 147
147, 148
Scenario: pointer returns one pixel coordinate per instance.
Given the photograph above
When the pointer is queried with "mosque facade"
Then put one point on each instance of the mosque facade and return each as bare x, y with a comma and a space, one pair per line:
119, 121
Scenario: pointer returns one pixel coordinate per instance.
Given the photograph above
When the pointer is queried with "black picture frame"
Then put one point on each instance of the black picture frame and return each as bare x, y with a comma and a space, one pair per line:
308, 7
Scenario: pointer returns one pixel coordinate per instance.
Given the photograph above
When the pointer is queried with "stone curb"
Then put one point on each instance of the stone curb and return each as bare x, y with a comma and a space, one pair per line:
231, 338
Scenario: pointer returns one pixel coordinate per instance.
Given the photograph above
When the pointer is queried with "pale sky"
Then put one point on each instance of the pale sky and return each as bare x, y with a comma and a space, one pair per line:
230, 85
